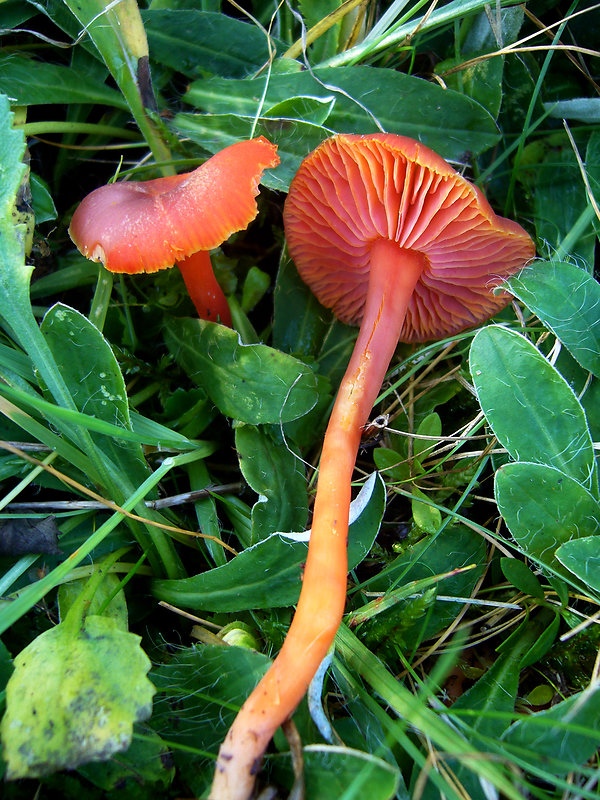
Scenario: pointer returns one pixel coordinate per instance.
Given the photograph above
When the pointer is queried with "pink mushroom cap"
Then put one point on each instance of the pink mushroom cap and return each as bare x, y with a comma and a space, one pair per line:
137, 226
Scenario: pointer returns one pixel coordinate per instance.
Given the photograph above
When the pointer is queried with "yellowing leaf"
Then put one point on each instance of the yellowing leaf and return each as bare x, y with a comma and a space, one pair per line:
73, 697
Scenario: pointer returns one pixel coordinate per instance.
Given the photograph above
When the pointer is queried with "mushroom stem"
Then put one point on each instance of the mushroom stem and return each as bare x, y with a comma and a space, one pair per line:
394, 274
203, 288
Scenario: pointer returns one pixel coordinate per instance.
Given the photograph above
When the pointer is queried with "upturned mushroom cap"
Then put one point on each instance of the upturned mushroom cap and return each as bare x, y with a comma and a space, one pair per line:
354, 190
146, 226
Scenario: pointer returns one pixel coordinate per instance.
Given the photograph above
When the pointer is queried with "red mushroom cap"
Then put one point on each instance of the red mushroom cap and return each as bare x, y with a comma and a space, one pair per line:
146, 226
355, 190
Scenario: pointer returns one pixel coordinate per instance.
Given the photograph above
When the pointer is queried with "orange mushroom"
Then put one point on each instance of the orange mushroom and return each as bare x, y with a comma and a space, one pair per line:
146, 226
390, 237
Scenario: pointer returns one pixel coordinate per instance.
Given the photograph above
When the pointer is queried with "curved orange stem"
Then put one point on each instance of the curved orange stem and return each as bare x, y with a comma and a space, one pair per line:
394, 273
205, 292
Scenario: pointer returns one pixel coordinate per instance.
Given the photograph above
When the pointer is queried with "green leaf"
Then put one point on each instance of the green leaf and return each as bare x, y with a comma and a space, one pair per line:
521, 577
430, 426
400, 103
481, 80
394, 466
200, 690
531, 408
41, 200
12, 147
251, 383
269, 574
563, 737
28, 82
332, 771
544, 508
92, 374
192, 42
276, 473
15, 274
426, 516
73, 697
582, 558
581, 109
567, 300
305, 107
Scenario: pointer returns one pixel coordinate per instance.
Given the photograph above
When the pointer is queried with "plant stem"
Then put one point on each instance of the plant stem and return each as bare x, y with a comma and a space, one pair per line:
394, 273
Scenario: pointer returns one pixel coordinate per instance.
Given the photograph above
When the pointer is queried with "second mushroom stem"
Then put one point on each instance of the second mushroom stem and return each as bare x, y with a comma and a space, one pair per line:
203, 288
322, 599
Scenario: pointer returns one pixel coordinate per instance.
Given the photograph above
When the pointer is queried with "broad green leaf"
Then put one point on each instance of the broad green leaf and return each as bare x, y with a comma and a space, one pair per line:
294, 138
75, 693
276, 473
29, 82
567, 300
582, 558
562, 738
14, 12
481, 80
544, 508
521, 577
92, 374
400, 104
269, 574
531, 409
251, 383
200, 690
305, 107
192, 42
395, 467
332, 771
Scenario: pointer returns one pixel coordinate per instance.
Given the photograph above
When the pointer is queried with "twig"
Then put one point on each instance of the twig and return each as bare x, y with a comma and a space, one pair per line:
92, 505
